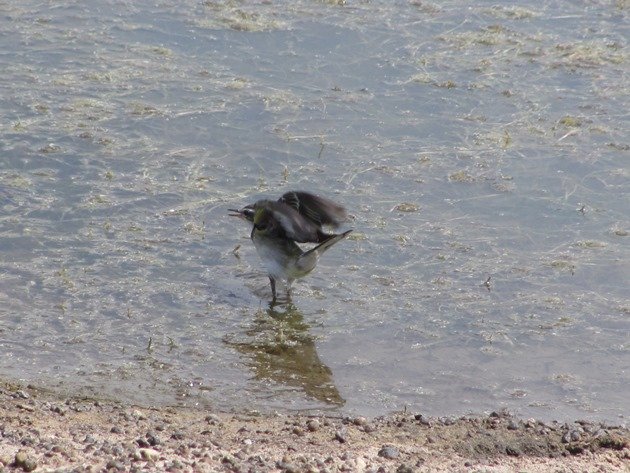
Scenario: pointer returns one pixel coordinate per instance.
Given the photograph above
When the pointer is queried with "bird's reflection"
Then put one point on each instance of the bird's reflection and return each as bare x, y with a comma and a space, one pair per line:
281, 349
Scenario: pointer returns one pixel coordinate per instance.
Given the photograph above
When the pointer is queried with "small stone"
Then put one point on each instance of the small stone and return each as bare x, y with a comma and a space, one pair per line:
404, 469
116, 430
286, 467
512, 425
312, 425
512, 451
114, 465
213, 419
575, 436
138, 415
566, 438
368, 428
423, 420
149, 455
359, 421
25, 461
448, 420
153, 439
340, 435
389, 452
229, 460
22, 394
360, 464
175, 465
178, 435
298, 431
347, 456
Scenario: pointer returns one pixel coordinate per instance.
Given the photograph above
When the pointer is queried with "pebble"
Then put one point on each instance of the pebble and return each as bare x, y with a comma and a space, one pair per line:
153, 439
447, 420
423, 420
512, 451
404, 469
368, 428
25, 461
142, 443
347, 456
340, 435
287, 467
313, 425
213, 419
389, 452
25, 407
175, 465
359, 421
115, 465
360, 464
148, 454
512, 425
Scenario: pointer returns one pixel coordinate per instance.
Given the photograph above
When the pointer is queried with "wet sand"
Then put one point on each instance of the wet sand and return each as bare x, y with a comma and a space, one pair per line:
40, 431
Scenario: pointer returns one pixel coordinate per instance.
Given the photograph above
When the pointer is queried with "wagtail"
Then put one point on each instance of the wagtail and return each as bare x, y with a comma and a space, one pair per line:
296, 217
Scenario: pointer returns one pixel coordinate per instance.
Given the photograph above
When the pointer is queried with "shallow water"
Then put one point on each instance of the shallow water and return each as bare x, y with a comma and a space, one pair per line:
481, 150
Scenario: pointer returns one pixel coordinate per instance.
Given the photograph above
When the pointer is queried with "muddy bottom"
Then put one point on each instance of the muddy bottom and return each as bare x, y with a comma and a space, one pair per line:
44, 432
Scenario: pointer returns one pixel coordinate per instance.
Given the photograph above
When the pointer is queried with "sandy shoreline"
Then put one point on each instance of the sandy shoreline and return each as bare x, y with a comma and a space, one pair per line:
43, 432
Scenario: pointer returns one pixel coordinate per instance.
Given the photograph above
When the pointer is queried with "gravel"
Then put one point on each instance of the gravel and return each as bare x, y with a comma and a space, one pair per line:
97, 435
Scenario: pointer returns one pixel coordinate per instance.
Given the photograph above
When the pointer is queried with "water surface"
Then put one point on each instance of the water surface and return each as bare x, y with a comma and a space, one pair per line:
482, 150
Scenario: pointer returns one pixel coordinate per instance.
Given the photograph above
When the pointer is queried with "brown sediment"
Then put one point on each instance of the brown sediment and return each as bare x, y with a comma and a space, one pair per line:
44, 432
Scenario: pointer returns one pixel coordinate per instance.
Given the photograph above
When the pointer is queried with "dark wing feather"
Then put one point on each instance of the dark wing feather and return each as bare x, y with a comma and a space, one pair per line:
293, 224
319, 210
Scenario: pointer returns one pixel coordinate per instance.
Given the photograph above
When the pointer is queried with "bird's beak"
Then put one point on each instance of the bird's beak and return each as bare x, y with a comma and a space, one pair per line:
236, 213
246, 213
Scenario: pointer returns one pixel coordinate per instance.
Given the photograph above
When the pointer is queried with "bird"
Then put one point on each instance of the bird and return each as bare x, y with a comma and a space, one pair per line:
279, 225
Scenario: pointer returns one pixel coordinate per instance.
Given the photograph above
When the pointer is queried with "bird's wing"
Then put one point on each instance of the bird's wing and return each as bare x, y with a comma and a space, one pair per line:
318, 210
293, 224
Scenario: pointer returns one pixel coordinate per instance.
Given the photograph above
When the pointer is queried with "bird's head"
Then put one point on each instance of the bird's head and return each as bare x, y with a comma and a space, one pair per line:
258, 214
246, 213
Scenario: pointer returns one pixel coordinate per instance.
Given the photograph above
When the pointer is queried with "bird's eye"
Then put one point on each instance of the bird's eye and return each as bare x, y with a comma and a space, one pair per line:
260, 226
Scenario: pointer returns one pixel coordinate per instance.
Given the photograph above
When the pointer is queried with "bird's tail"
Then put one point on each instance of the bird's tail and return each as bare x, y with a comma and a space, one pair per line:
319, 249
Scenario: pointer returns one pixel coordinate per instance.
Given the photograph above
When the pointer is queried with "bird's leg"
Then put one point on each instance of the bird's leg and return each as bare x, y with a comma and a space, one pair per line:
272, 281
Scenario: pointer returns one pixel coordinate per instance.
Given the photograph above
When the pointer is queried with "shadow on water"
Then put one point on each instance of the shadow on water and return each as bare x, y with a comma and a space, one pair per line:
280, 349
